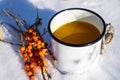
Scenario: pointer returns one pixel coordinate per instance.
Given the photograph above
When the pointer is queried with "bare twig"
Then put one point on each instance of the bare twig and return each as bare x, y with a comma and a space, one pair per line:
48, 75
49, 46
42, 71
17, 22
12, 16
13, 27
14, 36
23, 21
10, 43
51, 54
45, 31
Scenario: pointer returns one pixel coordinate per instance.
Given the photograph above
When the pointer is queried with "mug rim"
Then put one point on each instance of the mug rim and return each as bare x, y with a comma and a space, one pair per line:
77, 45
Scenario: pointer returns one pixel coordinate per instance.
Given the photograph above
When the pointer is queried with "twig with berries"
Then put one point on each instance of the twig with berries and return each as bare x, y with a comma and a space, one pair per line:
33, 48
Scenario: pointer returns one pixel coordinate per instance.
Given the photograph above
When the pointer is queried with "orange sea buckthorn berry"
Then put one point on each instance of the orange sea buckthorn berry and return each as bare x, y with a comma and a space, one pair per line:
26, 66
29, 73
39, 46
30, 43
34, 33
22, 49
44, 50
45, 61
30, 54
35, 38
31, 65
29, 51
30, 30
24, 55
40, 53
42, 44
29, 47
39, 42
25, 59
38, 66
34, 44
34, 69
32, 77
27, 69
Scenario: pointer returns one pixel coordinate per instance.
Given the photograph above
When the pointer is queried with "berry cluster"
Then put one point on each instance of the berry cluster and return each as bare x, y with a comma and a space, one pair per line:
33, 52
33, 48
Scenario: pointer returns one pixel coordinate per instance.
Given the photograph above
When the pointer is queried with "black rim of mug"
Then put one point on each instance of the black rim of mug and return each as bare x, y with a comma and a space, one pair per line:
77, 45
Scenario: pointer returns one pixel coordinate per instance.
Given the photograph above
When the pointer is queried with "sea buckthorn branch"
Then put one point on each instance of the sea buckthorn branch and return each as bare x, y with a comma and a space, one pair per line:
33, 48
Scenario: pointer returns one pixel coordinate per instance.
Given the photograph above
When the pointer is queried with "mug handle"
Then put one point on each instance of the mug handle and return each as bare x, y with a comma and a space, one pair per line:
108, 37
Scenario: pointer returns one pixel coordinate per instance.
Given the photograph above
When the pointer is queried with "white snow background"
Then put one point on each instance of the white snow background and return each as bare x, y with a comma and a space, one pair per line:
11, 63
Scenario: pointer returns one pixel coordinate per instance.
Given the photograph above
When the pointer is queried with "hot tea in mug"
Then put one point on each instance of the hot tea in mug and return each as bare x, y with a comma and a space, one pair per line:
76, 39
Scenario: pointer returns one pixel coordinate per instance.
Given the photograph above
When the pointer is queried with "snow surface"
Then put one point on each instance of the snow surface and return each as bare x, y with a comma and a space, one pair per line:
11, 62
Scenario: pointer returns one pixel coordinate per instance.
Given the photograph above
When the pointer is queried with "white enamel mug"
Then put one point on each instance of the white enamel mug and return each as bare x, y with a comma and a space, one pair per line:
76, 58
